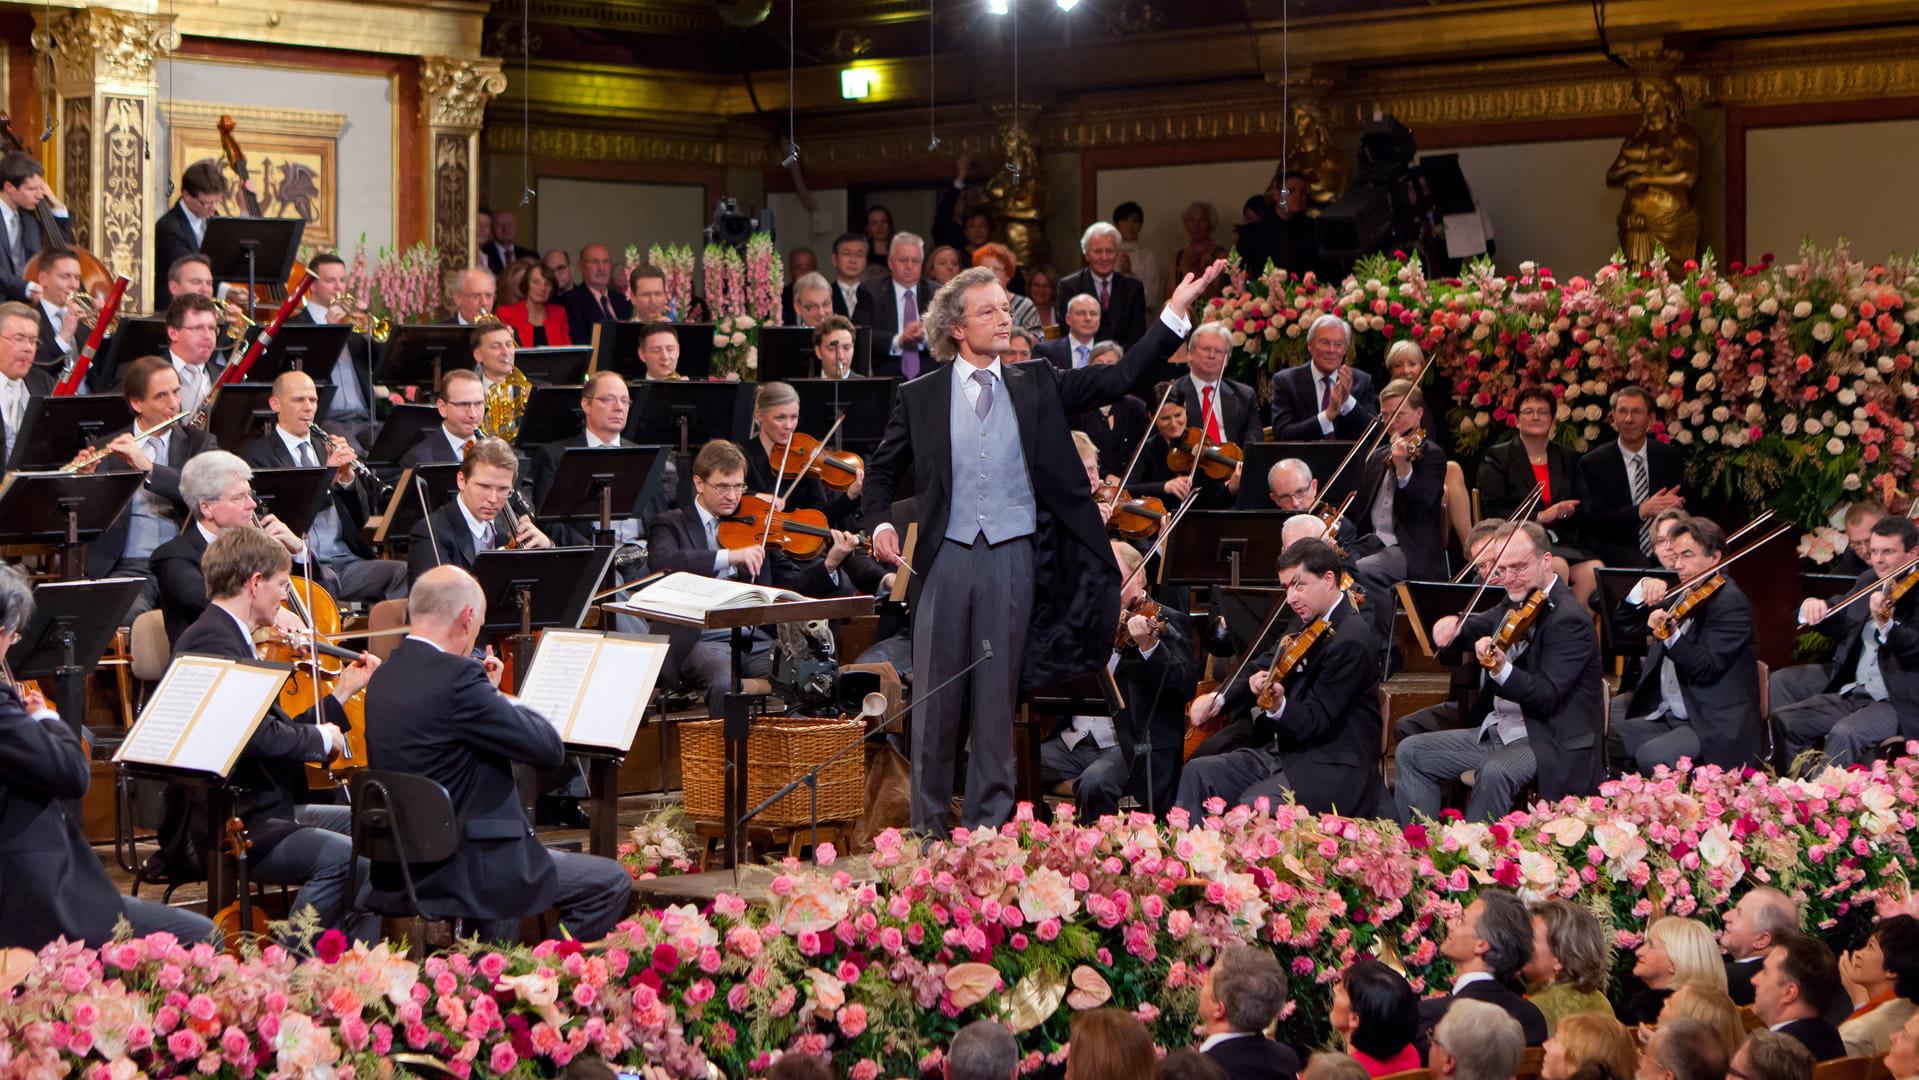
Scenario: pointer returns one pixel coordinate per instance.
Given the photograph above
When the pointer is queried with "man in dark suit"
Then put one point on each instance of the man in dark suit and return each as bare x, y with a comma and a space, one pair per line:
193, 331
1075, 349
1872, 691
1398, 509
1242, 996
1121, 296
62, 331
894, 307
474, 291
1115, 430
1628, 481
1699, 694
1326, 398
471, 521
1155, 672
439, 713
1538, 716
1225, 410
349, 567
23, 186
605, 401
503, 250
21, 383
1018, 557
593, 300
246, 579
1320, 740
56, 885
217, 489
849, 273
1793, 989
1760, 920
462, 404
154, 516
1488, 944
351, 411
180, 231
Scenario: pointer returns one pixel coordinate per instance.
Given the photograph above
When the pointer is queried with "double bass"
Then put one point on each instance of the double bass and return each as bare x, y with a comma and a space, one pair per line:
95, 277
266, 295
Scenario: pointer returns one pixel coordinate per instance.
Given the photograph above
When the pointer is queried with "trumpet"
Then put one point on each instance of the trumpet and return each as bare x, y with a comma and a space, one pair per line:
82, 301
234, 320
364, 321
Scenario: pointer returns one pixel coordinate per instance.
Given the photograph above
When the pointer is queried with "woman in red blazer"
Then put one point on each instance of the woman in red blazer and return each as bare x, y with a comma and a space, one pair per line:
539, 320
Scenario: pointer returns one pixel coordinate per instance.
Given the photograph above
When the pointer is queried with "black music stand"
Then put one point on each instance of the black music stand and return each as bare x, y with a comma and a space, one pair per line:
309, 347
57, 428
696, 350
867, 403
786, 353
557, 365
73, 623
403, 505
131, 339
1225, 547
68, 509
552, 413
1625, 636
617, 346
601, 484
1090, 693
1321, 457
531, 589
684, 415
292, 494
1427, 602
240, 412
401, 430
1824, 586
419, 355
252, 249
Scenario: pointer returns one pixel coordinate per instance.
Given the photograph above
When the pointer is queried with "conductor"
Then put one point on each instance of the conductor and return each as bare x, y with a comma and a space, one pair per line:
1011, 551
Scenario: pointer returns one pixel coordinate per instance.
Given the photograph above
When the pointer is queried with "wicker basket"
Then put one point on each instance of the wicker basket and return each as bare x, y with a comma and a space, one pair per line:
778, 751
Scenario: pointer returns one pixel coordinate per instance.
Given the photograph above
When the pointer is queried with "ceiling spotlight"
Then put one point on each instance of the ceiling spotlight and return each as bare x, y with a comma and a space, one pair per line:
1067, 5
997, 7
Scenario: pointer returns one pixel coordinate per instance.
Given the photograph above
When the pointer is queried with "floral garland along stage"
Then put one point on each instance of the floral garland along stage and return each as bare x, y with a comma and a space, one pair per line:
1030, 924
1801, 375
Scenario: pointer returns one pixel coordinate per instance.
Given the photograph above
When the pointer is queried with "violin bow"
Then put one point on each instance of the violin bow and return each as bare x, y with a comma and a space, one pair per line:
1279, 607
1884, 582
1141, 448
1511, 522
1166, 530
779, 473
1524, 509
1377, 427
1696, 580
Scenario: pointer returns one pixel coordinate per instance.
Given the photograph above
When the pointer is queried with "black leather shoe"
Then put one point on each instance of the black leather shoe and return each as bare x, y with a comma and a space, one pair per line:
566, 813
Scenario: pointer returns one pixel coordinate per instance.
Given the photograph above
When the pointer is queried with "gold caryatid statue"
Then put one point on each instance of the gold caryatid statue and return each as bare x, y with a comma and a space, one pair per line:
1013, 194
1658, 166
1314, 155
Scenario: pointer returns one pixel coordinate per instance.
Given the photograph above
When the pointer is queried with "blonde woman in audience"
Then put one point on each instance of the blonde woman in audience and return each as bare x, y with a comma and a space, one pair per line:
1712, 1007
1592, 1046
1675, 951
1567, 973
1328, 1065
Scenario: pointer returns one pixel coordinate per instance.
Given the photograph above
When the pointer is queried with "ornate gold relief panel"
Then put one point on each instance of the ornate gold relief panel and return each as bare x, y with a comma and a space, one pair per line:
292, 155
452, 188
123, 180
76, 167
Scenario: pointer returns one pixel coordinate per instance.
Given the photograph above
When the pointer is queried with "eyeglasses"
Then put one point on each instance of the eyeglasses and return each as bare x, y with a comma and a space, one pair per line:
463, 404
1535, 414
609, 400
726, 489
28, 340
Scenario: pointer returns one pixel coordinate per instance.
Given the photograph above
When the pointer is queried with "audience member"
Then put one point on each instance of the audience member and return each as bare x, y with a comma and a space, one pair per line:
943, 264
1129, 218
1331, 1065
1200, 221
1627, 481
646, 288
1902, 1053
1591, 1046
812, 301
1376, 1015
1042, 288
879, 235
560, 265
1244, 991
1476, 1041
1675, 951
1792, 990
1074, 349
794, 1065
999, 258
1108, 1044
1752, 928
849, 272
1188, 1064
1683, 1049
1768, 1055
1488, 944
1122, 299
1885, 971
983, 1050
1570, 964
1710, 1006
894, 306
1019, 346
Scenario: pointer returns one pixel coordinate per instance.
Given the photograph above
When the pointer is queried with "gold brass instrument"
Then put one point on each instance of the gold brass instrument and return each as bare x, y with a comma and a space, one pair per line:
364, 321
506, 406
89, 310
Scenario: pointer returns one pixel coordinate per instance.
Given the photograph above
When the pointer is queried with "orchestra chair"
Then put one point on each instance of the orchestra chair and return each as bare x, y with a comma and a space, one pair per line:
151, 650
1850, 1068
385, 615
402, 820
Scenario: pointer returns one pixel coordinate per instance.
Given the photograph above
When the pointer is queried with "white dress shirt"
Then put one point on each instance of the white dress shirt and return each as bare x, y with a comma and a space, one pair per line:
483, 531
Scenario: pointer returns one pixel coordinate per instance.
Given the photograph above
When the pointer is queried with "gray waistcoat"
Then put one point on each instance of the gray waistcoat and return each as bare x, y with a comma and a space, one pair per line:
991, 491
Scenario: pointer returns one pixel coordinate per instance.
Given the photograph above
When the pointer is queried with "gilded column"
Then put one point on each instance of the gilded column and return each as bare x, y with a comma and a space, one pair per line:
105, 98
453, 96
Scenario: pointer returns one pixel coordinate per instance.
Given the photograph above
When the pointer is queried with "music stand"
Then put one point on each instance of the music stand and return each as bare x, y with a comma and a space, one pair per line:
57, 428
292, 494
867, 403
403, 505
531, 589
552, 413
419, 355
1224, 547
618, 348
696, 350
1824, 586
64, 508
309, 347
252, 249
401, 430
1623, 634
73, 623
600, 484
684, 415
1321, 457
240, 412
1427, 602
786, 353
132, 339
559, 365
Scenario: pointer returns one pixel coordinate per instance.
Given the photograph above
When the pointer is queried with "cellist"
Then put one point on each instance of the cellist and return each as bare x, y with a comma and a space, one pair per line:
1315, 697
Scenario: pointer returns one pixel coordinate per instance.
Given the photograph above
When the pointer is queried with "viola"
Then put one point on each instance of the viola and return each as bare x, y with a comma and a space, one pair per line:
1291, 653
801, 455
1216, 460
1687, 604
1132, 518
1517, 624
1146, 608
802, 534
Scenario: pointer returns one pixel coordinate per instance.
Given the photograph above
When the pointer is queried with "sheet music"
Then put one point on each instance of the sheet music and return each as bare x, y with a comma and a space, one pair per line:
557, 677
202, 715
161, 726
693, 595
616, 692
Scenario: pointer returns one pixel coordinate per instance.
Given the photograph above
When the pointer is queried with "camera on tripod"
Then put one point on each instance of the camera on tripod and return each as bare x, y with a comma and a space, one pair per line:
733, 226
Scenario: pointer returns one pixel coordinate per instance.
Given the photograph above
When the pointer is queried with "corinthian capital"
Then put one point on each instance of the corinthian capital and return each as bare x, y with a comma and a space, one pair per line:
455, 92
99, 44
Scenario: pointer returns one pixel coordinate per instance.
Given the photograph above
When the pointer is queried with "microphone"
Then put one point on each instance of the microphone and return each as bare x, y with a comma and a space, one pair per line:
986, 653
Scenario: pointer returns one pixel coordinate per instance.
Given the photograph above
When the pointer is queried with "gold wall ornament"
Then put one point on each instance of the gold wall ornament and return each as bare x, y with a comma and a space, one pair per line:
453, 201
1310, 150
123, 240
454, 92
93, 44
1658, 166
1013, 194
453, 99
76, 168
292, 156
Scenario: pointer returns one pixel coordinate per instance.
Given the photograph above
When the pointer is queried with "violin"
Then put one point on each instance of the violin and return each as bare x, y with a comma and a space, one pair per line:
1516, 625
1351, 588
1900, 586
1415, 443
1134, 519
1687, 604
801, 456
1216, 461
1290, 654
802, 534
1146, 608
239, 918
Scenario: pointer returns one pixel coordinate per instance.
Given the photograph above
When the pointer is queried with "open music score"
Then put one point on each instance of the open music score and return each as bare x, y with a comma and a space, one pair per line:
202, 714
688, 598
593, 686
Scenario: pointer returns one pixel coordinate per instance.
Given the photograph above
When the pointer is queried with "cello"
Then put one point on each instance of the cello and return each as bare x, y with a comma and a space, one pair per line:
266, 295
95, 277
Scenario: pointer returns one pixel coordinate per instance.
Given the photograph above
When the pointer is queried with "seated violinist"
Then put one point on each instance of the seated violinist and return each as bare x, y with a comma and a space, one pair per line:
478, 517
774, 457
1398, 509
1315, 702
1699, 695
1153, 476
218, 487
689, 540
1223, 410
1537, 716
1155, 670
